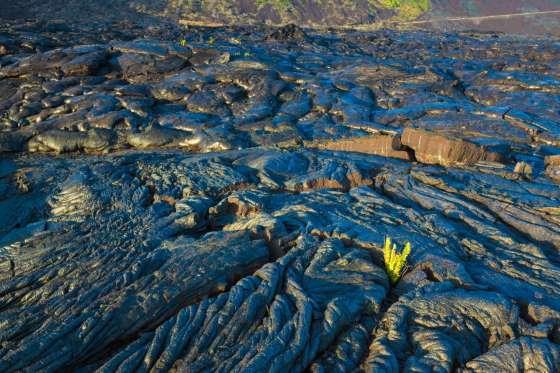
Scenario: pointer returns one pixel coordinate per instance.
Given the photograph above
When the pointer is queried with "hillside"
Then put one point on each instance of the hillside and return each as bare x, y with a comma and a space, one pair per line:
512, 16
517, 16
309, 12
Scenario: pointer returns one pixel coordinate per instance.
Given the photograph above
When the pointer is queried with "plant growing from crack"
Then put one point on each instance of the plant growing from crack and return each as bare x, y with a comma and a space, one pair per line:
395, 262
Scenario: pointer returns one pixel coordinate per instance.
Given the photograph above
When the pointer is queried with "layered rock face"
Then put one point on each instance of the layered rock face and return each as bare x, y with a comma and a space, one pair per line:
218, 200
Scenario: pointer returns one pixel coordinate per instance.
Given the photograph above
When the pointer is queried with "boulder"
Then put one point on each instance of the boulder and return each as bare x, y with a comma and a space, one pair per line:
290, 32
60, 141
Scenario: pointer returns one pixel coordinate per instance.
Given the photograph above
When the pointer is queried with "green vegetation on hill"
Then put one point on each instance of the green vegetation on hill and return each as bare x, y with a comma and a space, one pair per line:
407, 9
309, 13
278, 4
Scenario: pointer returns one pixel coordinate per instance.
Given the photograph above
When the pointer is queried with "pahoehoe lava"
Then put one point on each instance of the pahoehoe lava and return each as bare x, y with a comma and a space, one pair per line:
216, 199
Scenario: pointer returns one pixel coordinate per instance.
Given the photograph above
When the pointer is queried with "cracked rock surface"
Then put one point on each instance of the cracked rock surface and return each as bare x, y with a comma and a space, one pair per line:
220, 203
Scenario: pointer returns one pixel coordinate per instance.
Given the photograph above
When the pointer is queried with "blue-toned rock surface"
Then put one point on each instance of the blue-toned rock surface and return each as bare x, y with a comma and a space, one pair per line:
216, 199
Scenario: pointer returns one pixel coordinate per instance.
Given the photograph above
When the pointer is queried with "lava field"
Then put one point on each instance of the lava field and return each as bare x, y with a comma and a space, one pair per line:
216, 199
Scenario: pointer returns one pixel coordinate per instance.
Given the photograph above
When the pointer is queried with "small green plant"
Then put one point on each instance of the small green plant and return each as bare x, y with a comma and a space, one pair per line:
211, 40
395, 262
183, 42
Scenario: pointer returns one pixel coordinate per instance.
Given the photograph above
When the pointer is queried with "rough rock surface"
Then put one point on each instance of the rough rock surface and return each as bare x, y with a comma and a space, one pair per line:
217, 199
432, 148
385, 145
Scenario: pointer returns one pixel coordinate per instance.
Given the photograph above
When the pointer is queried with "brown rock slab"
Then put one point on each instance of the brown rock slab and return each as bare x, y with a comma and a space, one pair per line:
553, 172
552, 160
552, 164
432, 148
384, 145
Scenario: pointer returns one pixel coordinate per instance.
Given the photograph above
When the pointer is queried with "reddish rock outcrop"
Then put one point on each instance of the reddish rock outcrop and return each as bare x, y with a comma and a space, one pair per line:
384, 145
432, 148
552, 160
552, 163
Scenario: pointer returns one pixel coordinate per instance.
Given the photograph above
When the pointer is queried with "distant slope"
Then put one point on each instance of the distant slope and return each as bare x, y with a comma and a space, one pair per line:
516, 16
438, 14
485, 8
363, 12
302, 12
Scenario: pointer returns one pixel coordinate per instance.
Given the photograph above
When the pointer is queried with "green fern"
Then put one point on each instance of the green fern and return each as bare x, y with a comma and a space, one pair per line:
395, 262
